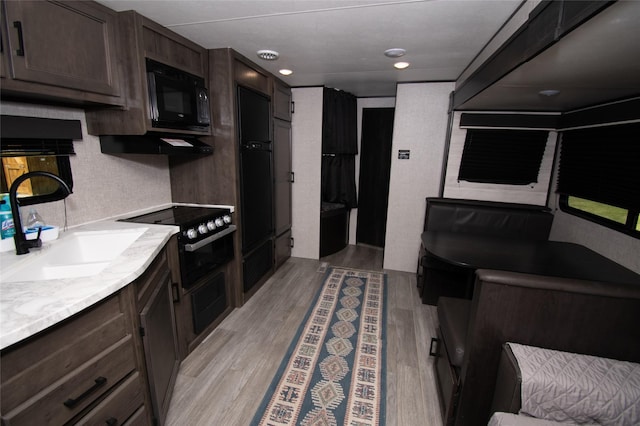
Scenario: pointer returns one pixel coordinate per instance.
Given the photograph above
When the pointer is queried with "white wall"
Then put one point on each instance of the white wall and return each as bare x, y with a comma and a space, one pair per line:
524, 194
103, 185
364, 103
420, 126
306, 154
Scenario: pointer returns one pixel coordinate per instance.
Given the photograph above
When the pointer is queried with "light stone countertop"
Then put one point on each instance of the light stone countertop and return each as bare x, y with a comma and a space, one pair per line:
29, 307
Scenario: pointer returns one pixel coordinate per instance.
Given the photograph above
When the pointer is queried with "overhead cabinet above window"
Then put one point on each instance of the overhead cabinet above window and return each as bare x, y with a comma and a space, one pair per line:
62, 51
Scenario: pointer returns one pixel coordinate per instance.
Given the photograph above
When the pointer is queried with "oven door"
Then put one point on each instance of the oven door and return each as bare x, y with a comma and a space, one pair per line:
202, 258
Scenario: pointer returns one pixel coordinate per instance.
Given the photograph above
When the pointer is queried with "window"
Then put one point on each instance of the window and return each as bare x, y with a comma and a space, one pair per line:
22, 156
599, 176
502, 156
37, 144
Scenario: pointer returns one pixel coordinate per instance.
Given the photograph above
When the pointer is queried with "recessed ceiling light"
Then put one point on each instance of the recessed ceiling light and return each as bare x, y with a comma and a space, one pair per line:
285, 72
549, 92
396, 52
401, 65
268, 55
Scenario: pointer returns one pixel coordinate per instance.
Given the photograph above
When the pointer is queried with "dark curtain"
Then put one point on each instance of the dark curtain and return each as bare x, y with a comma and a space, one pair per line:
338, 180
339, 147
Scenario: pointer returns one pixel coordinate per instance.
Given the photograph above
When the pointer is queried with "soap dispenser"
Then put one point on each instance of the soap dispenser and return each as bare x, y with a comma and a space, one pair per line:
34, 220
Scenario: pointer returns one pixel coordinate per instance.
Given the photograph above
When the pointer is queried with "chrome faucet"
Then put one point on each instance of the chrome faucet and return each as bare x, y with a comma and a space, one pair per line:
22, 244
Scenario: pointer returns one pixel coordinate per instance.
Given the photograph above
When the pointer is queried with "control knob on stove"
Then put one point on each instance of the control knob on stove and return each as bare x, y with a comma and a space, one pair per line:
219, 222
202, 228
226, 218
192, 233
211, 225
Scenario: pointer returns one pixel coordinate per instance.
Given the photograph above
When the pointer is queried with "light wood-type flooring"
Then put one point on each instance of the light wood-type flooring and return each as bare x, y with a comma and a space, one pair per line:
223, 380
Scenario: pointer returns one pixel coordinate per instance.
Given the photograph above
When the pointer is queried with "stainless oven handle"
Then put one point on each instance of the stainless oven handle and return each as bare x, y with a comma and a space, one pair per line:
208, 240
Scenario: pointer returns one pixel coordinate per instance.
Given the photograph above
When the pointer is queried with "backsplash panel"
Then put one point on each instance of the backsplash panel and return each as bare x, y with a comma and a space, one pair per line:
104, 185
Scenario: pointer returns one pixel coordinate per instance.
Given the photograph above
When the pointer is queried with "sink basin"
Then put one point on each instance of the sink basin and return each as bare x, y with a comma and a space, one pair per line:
77, 255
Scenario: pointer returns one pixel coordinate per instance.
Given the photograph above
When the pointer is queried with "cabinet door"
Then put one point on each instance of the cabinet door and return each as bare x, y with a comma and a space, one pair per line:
157, 319
281, 102
283, 248
3, 45
283, 176
64, 44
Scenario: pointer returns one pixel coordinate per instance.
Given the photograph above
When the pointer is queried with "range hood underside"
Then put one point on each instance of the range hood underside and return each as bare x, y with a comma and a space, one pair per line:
153, 144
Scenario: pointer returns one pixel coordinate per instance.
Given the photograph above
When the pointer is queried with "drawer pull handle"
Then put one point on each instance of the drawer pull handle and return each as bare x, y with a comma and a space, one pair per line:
18, 26
175, 289
433, 347
70, 403
112, 421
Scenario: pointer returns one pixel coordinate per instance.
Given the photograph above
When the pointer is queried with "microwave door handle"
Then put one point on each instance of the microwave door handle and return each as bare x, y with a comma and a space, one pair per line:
153, 97
209, 239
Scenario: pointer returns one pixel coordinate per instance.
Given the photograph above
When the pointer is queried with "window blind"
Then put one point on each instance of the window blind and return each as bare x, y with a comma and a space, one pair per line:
602, 164
25, 136
502, 156
29, 147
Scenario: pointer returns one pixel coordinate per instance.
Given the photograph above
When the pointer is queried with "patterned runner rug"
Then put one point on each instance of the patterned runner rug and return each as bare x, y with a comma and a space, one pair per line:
334, 371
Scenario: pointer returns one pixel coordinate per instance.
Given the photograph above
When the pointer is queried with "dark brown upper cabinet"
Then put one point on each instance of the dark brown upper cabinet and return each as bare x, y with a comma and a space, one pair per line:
60, 51
282, 106
139, 38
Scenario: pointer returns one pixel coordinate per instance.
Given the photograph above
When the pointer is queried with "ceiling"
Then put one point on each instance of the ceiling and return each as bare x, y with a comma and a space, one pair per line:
341, 44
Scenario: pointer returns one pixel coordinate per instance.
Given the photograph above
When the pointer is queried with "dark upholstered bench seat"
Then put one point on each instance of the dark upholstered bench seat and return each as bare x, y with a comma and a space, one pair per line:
453, 315
436, 277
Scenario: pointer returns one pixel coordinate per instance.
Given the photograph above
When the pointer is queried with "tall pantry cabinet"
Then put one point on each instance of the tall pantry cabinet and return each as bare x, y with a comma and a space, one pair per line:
282, 171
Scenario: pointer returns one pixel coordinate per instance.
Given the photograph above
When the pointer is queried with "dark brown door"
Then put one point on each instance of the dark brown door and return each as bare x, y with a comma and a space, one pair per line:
282, 175
375, 166
160, 346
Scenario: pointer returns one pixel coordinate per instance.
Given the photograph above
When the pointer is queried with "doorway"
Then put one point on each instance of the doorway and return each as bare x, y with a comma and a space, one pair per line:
375, 168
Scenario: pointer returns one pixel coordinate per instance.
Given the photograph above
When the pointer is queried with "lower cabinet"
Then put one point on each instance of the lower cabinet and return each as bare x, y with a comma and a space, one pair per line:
283, 245
74, 370
114, 363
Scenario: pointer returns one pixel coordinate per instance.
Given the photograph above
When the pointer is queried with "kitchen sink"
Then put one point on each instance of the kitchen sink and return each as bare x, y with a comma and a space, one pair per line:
80, 254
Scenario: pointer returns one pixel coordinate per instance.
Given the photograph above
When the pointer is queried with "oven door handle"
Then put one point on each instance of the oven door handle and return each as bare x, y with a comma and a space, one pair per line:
210, 239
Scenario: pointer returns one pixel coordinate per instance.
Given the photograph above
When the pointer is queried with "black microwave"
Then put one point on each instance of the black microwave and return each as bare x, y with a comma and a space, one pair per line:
177, 99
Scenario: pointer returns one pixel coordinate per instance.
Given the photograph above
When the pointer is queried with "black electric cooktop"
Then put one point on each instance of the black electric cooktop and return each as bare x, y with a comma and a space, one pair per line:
179, 215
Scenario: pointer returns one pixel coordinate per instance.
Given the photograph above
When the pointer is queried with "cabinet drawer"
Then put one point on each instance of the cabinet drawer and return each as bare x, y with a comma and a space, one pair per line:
67, 397
29, 367
139, 418
119, 406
